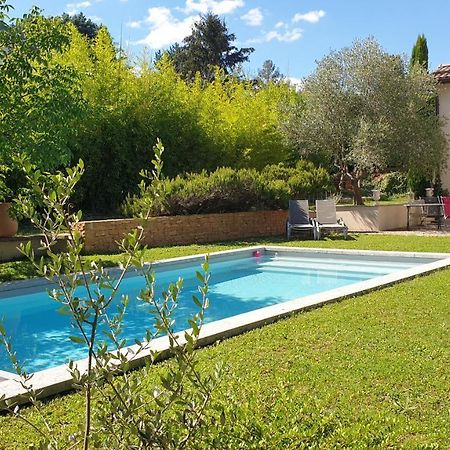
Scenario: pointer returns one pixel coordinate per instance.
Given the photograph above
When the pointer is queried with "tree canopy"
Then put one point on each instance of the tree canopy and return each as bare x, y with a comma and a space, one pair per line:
364, 112
210, 45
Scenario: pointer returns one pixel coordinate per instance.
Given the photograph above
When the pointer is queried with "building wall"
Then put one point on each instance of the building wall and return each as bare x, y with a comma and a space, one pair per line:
444, 112
375, 218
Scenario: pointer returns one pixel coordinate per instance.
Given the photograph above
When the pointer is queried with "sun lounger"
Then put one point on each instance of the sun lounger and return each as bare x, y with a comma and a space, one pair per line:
326, 220
298, 219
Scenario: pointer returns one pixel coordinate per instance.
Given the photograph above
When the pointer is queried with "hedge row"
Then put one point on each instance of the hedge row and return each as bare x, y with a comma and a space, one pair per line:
234, 190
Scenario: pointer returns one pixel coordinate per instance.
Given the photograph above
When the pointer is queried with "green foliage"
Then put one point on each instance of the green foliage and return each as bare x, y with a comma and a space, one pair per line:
84, 25
417, 183
4, 10
209, 46
365, 113
39, 96
233, 190
419, 54
205, 125
124, 418
391, 183
5, 191
12, 180
77, 97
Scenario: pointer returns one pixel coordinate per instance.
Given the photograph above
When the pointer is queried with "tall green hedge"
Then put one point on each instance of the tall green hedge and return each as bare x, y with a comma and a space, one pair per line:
127, 107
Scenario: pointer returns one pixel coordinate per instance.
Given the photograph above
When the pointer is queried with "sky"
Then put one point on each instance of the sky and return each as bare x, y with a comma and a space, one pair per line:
294, 34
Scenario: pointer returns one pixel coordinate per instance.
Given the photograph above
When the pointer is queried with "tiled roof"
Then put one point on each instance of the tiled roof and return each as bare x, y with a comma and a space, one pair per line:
442, 73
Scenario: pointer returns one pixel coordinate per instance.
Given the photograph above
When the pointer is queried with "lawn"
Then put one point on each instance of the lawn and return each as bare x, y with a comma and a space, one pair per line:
368, 372
20, 270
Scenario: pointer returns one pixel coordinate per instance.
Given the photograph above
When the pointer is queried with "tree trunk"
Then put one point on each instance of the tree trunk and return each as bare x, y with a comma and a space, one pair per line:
355, 179
357, 192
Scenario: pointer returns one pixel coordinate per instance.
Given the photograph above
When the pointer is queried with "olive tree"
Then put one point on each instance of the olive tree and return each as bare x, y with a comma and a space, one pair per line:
119, 413
365, 112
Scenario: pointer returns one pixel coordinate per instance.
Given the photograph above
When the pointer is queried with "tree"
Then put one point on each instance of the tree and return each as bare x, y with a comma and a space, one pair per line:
419, 54
39, 95
84, 25
269, 72
208, 46
170, 53
364, 112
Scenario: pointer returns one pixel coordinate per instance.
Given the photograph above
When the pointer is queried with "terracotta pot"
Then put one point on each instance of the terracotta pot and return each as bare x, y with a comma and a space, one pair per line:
8, 225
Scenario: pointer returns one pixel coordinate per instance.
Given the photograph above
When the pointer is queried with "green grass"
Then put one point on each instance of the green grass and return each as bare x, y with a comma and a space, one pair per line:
397, 199
20, 270
368, 372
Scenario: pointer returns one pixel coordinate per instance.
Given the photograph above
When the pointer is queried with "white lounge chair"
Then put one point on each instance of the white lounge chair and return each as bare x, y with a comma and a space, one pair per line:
326, 220
298, 219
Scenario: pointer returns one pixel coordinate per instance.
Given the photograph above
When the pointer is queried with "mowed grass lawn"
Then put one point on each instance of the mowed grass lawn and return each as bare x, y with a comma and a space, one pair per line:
368, 372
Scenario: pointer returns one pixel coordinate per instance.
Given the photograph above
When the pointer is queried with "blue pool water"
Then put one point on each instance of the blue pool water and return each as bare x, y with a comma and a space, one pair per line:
40, 334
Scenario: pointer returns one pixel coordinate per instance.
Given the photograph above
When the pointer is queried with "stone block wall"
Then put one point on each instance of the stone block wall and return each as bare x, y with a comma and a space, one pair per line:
102, 235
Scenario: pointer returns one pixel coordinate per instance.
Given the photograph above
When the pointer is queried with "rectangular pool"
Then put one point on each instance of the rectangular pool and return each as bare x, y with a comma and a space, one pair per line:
240, 283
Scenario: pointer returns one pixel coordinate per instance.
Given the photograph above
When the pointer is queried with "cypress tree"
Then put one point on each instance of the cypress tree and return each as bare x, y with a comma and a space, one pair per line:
419, 54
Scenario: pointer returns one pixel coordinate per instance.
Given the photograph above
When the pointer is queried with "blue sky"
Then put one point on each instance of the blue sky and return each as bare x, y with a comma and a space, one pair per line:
293, 33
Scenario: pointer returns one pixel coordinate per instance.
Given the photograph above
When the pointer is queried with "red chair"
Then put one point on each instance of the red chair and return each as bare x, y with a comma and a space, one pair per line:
446, 207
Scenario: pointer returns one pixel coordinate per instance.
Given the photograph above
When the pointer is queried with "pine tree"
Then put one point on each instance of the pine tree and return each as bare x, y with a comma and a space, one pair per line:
419, 53
209, 46
269, 72
84, 25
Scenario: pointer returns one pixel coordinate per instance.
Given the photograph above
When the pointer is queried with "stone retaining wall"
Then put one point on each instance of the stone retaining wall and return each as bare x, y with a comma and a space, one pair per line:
9, 246
102, 235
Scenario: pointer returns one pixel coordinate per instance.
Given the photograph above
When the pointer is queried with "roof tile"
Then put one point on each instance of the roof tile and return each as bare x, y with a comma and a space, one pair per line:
442, 73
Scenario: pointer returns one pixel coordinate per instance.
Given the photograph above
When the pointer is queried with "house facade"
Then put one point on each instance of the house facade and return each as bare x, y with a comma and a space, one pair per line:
442, 75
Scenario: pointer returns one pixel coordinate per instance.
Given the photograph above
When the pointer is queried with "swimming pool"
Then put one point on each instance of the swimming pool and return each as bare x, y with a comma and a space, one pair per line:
241, 283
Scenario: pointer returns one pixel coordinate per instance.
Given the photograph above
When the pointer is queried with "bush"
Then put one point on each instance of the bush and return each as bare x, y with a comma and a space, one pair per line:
233, 190
391, 183
394, 183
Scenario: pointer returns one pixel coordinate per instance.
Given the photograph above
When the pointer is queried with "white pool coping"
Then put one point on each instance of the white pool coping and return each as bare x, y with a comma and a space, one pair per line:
56, 380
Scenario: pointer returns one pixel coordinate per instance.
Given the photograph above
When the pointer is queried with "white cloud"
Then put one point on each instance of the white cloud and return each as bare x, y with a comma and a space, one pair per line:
165, 29
311, 16
134, 24
297, 83
98, 20
74, 8
274, 35
288, 36
253, 17
215, 6
280, 24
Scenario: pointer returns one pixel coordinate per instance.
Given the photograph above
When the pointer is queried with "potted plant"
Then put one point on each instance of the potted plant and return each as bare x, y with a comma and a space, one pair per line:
8, 224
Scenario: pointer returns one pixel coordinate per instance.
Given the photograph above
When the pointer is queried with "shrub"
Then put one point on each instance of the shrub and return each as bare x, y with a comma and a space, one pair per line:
417, 183
233, 190
391, 183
